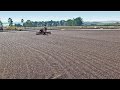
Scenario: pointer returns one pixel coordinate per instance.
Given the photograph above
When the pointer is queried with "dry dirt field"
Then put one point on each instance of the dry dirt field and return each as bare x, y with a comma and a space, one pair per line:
61, 55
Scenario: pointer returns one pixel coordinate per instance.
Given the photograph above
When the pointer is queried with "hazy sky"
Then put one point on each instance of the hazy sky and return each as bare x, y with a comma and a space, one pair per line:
59, 15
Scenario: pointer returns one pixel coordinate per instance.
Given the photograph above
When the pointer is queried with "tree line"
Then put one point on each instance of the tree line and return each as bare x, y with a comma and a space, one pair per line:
70, 22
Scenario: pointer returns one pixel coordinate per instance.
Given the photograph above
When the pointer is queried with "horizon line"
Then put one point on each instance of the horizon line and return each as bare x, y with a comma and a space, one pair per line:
60, 20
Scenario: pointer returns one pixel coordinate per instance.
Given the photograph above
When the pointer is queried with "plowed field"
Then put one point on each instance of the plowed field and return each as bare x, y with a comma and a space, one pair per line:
61, 55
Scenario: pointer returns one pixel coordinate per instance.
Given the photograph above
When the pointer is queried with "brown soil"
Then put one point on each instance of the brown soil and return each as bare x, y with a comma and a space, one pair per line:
61, 55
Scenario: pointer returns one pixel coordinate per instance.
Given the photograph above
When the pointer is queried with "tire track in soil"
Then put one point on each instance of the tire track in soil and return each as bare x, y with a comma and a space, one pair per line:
26, 60
93, 55
44, 54
88, 56
12, 42
92, 48
89, 63
11, 64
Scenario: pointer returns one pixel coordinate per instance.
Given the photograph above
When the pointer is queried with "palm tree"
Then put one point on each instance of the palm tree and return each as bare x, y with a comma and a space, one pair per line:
22, 21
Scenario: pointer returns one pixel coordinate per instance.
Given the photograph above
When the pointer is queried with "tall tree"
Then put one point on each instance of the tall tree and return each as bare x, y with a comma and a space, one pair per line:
22, 21
10, 21
1, 24
78, 21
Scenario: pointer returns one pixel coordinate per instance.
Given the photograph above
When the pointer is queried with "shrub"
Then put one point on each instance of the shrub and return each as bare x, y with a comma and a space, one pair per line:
14, 28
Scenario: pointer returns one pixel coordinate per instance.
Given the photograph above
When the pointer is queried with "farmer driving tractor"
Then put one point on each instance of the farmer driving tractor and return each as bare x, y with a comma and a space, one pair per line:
44, 30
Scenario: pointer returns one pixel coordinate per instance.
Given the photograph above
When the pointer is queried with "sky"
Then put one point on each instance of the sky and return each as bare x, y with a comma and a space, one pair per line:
59, 15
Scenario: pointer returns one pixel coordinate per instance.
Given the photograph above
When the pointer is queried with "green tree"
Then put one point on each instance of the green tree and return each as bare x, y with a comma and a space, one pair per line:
28, 23
78, 21
1, 24
70, 22
22, 21
62, 22
10, 21
18, 25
